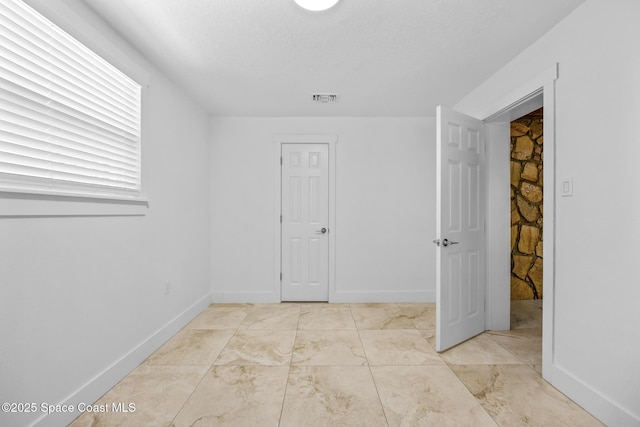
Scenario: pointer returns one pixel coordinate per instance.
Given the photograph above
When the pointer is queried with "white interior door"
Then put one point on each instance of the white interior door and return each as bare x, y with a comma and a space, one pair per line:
460, 271
305, 228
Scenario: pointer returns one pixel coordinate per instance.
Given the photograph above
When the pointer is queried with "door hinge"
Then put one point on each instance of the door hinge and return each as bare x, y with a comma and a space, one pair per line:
280, 219
281, 276
280, 160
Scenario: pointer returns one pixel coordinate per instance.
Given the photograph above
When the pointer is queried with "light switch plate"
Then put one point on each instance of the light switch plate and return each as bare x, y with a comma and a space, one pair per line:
567, 187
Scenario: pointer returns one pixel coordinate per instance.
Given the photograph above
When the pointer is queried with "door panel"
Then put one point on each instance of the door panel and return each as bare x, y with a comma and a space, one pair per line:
460, 283
305, 213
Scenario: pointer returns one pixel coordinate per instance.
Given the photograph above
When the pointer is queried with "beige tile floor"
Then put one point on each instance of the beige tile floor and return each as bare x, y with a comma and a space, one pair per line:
340, 365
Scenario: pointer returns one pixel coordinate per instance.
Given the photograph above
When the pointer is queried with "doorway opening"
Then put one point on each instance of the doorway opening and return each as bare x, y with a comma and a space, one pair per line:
526, 173
527, 213
512, 102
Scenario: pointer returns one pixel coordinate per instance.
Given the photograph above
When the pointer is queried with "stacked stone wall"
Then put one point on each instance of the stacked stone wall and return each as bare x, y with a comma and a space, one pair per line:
526, 206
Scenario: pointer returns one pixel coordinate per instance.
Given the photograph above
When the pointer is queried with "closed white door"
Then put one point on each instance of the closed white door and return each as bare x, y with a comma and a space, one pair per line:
305, 229
460, 270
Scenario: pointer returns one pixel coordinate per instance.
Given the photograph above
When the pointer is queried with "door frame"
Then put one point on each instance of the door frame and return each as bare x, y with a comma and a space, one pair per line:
278, 140
497, 294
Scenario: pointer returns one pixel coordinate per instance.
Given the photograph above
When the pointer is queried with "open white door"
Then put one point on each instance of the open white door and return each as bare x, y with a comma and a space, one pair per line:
460, 271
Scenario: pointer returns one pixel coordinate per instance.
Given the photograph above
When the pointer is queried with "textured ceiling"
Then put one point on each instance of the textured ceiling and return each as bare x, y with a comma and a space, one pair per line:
384, 57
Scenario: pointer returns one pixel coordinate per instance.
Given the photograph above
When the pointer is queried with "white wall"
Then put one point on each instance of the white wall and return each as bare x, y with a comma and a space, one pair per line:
82, 298
596, 345
385, 207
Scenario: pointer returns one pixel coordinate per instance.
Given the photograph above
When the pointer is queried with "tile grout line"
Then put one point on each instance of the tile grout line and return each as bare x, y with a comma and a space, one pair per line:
384, 412
449, 366
509, 351
286, 384
172, 423
471, 393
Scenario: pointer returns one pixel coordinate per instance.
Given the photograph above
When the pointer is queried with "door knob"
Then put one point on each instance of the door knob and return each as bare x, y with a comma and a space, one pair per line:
447, 242
321, 231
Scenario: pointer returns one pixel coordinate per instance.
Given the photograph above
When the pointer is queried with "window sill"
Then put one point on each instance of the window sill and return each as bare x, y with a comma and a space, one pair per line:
14, 204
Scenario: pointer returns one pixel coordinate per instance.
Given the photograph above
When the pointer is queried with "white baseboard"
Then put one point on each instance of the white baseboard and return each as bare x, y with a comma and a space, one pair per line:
594, 402
245, 297
105, 380
361, 297
354, 297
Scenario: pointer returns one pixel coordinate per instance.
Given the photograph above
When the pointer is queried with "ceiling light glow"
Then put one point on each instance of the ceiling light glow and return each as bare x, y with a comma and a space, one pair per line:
316, 5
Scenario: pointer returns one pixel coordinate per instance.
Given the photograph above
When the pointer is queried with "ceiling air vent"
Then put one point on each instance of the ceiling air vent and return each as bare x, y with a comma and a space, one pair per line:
325, 97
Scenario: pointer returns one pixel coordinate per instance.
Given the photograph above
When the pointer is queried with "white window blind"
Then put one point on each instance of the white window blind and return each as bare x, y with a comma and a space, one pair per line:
69, 121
